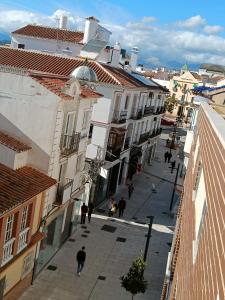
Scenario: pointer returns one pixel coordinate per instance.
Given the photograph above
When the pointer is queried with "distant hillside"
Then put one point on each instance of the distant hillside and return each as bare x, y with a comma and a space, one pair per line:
4, 38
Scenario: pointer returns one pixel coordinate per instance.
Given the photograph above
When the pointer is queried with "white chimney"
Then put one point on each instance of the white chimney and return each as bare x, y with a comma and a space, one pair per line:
63, 22
90, 30
115, 56
134, 57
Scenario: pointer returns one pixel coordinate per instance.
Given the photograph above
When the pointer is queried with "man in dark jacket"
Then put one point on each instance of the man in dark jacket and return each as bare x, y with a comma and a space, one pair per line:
84, 210
90, 210
121, 206
81, 256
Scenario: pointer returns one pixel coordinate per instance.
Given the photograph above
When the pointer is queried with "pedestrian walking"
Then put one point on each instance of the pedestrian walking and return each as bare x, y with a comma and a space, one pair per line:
130, 190
81, 256
121, 206
84, 210
111, 201
90, 210
166, 156
113, 209
169, 157
173, 164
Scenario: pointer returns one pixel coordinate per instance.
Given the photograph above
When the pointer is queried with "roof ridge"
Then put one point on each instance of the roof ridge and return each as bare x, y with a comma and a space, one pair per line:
49, 27
113, 77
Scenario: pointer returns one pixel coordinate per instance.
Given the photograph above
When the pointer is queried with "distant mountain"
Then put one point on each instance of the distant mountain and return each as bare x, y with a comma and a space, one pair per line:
4, 37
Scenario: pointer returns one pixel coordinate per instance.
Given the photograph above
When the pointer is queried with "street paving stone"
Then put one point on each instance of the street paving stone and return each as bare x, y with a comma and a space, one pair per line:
106, 257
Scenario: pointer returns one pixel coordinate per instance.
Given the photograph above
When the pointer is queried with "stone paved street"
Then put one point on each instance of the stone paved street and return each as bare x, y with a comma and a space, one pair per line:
110, 258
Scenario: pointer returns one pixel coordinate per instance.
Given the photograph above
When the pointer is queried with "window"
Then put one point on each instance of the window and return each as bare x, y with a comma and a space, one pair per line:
151, 95
70, 124
159, 97
9, 228
21, 46
200, 212
85, 119
196, 151
23, 223
127, 102
79, 162
198, 175
146, 126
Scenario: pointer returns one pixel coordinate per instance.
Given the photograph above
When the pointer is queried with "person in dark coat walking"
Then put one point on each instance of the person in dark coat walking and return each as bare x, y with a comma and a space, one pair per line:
90, 210
169, 157
130, 189
166, 156
173, 164
121, 206
84, 210
81, 256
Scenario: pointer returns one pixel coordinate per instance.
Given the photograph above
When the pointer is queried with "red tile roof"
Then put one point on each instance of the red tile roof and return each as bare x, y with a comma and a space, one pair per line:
12, 143
196, 76
18, 186
50, 33
89, 93
56, 85
60, 65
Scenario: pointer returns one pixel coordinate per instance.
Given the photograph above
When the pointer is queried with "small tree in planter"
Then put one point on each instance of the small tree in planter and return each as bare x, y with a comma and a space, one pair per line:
134, 281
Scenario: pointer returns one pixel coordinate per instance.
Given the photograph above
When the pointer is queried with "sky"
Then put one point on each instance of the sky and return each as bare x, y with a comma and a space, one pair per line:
167, 32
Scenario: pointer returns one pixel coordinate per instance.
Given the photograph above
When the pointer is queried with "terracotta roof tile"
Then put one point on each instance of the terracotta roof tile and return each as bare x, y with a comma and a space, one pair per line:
12, 143
50, 33
196, 76
56, 85
18, 186
89, 93
60, 65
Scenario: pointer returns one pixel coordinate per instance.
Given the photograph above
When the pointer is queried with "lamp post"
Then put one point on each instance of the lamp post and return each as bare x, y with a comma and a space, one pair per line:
148, 237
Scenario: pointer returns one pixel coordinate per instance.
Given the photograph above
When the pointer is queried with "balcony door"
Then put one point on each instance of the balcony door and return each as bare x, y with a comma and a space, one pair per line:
117, 107
69, 128
134, 105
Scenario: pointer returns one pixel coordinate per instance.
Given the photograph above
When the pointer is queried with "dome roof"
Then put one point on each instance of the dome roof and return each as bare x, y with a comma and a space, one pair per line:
84, 73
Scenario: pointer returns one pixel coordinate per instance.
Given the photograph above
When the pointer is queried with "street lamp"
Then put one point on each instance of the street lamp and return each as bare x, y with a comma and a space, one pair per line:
148, 237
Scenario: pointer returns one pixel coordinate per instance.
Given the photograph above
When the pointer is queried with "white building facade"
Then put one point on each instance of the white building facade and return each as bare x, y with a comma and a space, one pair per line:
55, 124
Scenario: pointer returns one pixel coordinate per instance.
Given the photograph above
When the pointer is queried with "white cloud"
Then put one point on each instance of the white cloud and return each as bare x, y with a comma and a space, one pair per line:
192, 22
214, 29
13, 19
148, 19
158, 44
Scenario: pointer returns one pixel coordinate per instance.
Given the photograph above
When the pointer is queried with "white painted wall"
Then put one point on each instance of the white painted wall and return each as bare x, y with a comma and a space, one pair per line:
7, 156
21, 159
28, 111
46, 45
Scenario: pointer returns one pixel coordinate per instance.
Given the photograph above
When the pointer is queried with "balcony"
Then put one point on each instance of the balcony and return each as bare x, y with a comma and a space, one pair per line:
160, 110
149, 110
7, 251
126, 143
22, 243
119, 117
137, 115
143, 137
156, 133
70, 143
64, 192
112, 155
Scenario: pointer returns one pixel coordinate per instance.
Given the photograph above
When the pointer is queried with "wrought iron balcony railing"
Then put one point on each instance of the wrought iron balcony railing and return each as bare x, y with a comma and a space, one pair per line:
70, 143
136, 115
119, 117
